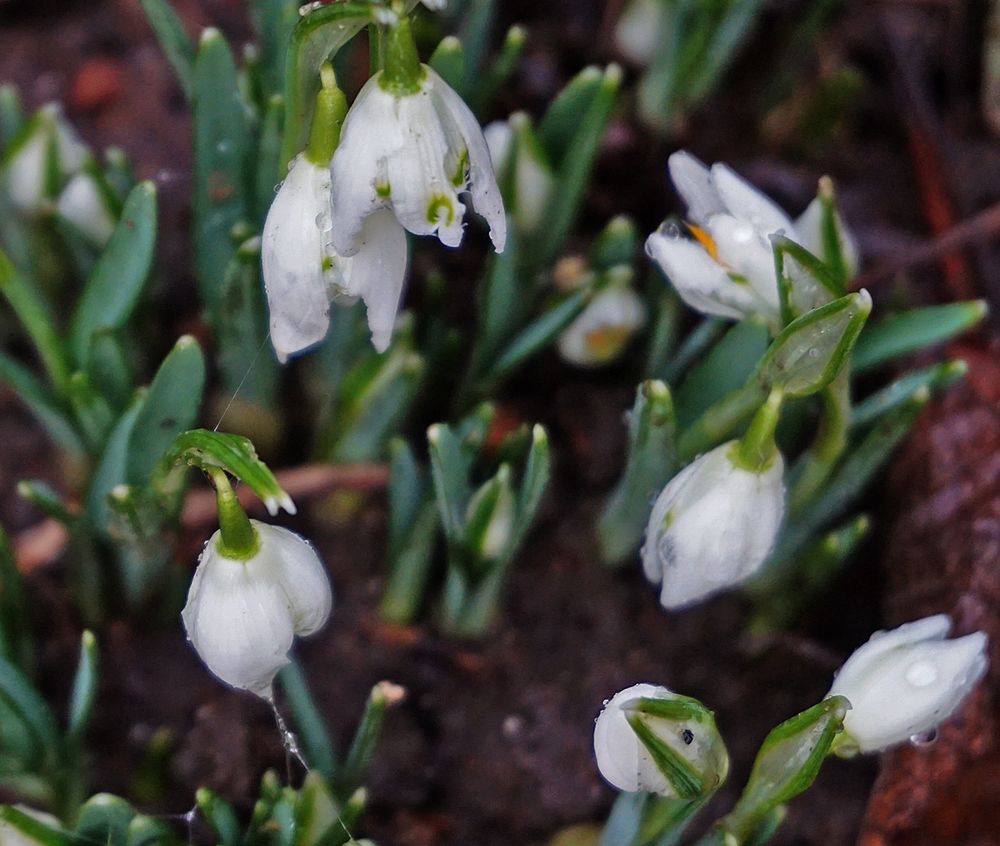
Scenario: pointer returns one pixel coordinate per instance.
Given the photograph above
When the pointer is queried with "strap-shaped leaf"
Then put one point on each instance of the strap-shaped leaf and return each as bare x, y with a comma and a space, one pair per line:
33, 830
31, 711
220, 815
108, 369
111, 468
42, 404
171, 407
85, 682
309, 724
173, 40
117, 281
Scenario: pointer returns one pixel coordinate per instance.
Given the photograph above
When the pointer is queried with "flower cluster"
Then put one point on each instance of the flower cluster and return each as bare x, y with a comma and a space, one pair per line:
408, 148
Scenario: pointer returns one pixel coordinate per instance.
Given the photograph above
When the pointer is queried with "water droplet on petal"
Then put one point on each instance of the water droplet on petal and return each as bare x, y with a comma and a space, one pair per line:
921, 673
924, 738
670, 230
323, 223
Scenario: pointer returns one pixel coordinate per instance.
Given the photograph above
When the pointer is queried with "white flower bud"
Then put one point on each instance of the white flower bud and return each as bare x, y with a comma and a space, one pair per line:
513, 144
82, 203
903, 683
712, 526
626, 763
642, 30
413, 153
25, 173
303, 272
603, 329
242, 615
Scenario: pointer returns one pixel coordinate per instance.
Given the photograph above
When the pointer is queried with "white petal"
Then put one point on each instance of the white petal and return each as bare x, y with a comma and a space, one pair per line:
743, 249
82, 204
693, 181
621, 756
377, 273
701, 282
639, 33
499, 138
603, 328
24, 175
423, 195
302, 574
370, 134
238, 619
744, 201
486, 195
292, 257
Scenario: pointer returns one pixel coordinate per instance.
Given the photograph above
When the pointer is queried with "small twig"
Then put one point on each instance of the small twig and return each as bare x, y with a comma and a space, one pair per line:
41, 544
979, 227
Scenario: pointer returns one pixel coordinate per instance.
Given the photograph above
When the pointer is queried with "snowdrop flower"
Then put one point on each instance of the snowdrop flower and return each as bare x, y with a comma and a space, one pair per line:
25, 171
604, 328
410, 144
713, 526
903, 683
728, 269
689, 736
302, 271
84, 204
642, 30
522, 165
242, 614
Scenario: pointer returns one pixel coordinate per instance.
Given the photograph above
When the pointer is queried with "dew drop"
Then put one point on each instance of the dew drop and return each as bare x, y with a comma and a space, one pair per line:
670, 230
323, 223
924, 738
224, 146
277, 187
814, 353
921, 674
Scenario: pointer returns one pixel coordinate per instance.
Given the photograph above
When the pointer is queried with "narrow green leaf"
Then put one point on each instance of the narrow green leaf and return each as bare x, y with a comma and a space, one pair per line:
308, 720
12, 116
111, 468
173, 40
42, 404
537, 471
914, 330
652, 460
116, 283
34, 831
937, 377
500, 71
354, 771
85, 683
36, 317
27, 705
269, 171
16, 644
690, 350
91, 410
46, 500
220, 815
559, 126
273, 22
723, 369
448, 60
108, 368
410, 564
573, 168
171, 407
221, 163
449, 470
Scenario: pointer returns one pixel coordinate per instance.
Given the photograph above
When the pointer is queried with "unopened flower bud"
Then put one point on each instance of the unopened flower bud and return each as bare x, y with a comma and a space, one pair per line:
713, 526
903, 683
650, 739
603, 329
490, 516
242, 615
84, 204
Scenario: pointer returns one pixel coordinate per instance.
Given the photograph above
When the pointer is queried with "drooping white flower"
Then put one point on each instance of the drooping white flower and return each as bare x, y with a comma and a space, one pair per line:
642, 30
519, 160
26, 170
303, 272
905, 682
84, 205
712, 526
624, 760
603, 329
412, 152
241, 616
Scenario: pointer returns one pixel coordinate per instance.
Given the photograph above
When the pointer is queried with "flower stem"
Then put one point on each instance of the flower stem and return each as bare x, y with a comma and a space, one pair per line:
403, 72
239, 539
331, 108
757, 449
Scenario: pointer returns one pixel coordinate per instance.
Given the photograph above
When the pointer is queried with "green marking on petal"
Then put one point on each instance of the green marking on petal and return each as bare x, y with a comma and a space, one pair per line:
438, 204
738, 278
458, 177
383, 190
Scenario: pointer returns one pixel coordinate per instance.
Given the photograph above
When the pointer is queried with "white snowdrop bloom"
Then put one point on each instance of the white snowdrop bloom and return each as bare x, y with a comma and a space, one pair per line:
604, 328
414, 152
241, 615
626, 763
303, 272
712, 526
25, 170
82, 203
903, 683
642, 30
10, 836
728, 270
